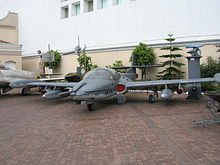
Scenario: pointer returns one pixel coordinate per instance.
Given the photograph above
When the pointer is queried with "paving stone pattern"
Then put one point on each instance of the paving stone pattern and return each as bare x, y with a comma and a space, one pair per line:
35, 131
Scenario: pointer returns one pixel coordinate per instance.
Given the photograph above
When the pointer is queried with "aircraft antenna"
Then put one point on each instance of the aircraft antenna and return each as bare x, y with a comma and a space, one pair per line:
78, 41
85, 56
48, 47
133, 59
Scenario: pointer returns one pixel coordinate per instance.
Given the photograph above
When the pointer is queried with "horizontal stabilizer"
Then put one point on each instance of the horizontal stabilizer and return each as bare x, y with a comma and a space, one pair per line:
50, 74
52, 79
3, 67
136, 66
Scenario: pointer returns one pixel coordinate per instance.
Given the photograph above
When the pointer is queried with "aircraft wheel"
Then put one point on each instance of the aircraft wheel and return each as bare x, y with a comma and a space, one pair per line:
151, 99
77, 102
91, 107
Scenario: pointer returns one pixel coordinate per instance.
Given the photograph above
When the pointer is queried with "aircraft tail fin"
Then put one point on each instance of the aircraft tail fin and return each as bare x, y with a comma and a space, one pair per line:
133, 67
131, 73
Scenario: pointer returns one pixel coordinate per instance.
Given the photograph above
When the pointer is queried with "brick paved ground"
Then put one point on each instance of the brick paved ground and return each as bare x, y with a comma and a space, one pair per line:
37, 131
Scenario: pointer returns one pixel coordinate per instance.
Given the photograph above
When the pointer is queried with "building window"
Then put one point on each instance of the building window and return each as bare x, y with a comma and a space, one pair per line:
63, 0
64, 12
118, 2
102, 4
88, 5
75, 8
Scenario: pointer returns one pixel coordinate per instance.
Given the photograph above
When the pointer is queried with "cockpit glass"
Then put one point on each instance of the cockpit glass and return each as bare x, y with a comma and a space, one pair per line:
99, 74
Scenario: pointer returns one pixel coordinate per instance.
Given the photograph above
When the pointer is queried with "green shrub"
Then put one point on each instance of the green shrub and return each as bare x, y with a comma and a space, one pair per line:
144, 55
209, 69
55, 63
117, 63
85, 62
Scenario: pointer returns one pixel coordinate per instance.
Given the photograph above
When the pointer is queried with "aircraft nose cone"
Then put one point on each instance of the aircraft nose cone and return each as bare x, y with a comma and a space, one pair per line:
91, 89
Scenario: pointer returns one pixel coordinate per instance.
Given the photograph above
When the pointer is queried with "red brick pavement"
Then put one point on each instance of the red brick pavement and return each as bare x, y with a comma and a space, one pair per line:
57, 132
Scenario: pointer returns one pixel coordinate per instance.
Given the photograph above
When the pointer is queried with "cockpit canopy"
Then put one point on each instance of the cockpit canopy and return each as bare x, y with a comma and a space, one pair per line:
102, 73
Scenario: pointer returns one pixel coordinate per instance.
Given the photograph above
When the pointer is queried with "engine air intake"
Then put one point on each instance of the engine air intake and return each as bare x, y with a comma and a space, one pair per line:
121, 88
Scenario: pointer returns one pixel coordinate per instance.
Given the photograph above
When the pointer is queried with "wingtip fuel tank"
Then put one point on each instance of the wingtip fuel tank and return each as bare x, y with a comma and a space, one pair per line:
217, 77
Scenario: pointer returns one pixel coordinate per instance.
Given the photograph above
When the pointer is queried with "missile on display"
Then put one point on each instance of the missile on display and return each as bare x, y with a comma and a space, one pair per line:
166, 93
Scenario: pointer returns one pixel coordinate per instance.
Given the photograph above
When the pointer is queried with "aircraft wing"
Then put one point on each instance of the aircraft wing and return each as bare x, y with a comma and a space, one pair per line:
142, 84
39, 82
53, 84
53, 90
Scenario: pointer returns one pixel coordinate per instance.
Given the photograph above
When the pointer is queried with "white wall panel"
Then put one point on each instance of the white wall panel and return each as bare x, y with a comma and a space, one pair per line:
131, 22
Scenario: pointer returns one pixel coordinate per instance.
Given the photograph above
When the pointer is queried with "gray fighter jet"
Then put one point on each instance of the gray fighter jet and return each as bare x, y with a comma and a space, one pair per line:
101, 83
7, 76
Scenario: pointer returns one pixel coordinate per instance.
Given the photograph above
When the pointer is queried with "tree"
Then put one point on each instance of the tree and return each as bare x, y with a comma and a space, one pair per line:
172, 67
85, 62
144, 55
55, 63
117, 64
209, 69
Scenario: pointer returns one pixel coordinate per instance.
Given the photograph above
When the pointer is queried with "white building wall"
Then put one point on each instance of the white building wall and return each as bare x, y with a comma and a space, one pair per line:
40, 23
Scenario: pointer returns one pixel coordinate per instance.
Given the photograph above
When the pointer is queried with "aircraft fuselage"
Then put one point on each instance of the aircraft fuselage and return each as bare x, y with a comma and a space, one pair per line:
7, 76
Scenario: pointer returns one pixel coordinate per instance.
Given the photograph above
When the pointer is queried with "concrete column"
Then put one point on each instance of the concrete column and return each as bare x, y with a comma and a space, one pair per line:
95, 5
194, 91
82, 7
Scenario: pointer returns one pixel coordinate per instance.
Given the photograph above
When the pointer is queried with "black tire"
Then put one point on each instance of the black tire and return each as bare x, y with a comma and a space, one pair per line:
77, 102
91, 107
151, 99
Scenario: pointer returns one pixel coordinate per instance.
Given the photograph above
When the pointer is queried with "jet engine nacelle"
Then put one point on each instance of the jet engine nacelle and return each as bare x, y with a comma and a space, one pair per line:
166, 94
43, 91
179, 91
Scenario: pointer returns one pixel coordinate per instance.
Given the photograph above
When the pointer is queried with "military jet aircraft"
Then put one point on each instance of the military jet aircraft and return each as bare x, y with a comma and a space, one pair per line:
7, 75
101, 83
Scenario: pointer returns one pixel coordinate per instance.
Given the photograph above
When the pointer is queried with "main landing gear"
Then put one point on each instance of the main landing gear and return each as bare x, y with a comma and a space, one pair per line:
151, 98
25, 91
